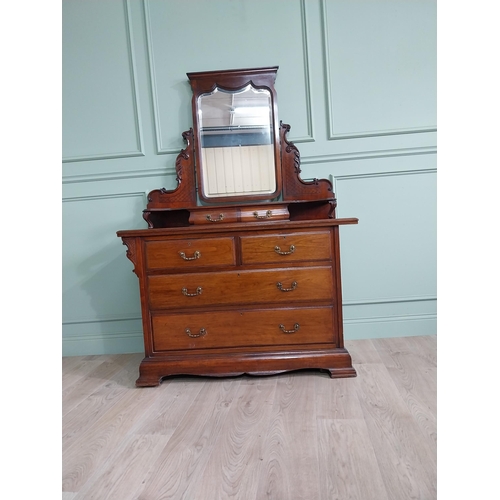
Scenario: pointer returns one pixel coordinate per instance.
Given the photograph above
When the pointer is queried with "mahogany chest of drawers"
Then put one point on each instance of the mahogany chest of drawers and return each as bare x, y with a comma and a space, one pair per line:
239, 269
259, 299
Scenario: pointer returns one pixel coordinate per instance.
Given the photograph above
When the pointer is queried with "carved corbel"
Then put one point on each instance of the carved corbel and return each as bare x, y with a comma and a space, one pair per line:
294, 188
185, 192
130, 243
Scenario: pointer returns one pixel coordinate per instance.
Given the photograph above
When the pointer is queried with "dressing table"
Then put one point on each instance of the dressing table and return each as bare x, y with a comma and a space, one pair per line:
239, 268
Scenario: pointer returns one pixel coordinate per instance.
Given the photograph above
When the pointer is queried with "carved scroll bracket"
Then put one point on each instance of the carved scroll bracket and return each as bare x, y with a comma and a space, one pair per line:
130, 243
294, 188
185, 192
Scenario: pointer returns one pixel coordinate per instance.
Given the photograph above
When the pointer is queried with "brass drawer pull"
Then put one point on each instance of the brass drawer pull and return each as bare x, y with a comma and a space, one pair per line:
283, 252
195, 256
198, 292
295, 328
202, 333
220, 218
265, 216
280, 286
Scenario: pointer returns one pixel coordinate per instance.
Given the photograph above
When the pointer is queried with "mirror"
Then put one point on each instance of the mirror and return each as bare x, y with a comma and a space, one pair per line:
236, 142
237, 146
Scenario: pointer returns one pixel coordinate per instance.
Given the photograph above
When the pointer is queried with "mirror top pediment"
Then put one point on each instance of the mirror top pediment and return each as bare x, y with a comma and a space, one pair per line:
233, 79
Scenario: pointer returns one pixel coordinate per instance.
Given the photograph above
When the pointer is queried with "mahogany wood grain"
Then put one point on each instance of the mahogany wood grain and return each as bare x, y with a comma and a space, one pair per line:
184, 195
227, 363
283, 248
190, 253
309, 280
250, 228
265, 212
295, 188
214, 215
337, 294
312, 210
283, 286
234, 284
245, 328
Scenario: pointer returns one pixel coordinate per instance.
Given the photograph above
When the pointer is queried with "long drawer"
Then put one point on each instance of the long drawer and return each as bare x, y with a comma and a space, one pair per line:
246, 328
285, 248
190, 253
243, 287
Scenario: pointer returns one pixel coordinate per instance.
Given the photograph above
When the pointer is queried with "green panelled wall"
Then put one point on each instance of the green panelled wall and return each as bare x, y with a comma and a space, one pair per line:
357, 83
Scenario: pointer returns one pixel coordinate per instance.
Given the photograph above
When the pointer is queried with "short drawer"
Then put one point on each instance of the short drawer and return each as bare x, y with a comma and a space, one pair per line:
283, 248
244, 287
253, 328
190, 253
213, 216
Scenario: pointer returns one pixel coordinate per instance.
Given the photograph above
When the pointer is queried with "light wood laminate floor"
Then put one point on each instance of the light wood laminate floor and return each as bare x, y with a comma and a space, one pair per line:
292, 436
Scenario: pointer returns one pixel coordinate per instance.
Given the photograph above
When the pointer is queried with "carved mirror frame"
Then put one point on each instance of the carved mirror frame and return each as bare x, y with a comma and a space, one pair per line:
235, 81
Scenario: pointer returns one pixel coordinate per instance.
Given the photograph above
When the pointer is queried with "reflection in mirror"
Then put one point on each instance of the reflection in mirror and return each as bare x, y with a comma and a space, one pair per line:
237, 142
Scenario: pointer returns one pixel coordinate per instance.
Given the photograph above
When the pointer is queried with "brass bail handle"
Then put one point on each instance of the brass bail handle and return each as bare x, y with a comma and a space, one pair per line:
295, 328
293, 287
278, 250
195, 256
187, 294
265, 216
201, 333
219, 219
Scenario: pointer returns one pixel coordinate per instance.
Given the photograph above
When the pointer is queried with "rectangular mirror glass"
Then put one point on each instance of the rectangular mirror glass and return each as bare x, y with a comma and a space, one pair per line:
237, 150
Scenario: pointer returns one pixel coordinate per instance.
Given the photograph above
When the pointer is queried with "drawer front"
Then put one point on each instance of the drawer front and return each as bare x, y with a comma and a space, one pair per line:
186, 254
261, 213
213, 216
244, 287
284, 327
284, 248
